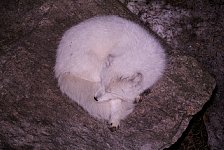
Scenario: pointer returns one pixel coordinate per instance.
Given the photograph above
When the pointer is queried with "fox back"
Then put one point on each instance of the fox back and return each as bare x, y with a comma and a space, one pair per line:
105, 62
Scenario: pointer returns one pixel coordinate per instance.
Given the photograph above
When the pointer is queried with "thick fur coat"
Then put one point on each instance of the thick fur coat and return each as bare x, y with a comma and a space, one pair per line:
105, 63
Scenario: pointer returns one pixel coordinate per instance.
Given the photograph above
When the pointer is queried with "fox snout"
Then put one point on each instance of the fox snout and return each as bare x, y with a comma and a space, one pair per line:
97, 96
101, 96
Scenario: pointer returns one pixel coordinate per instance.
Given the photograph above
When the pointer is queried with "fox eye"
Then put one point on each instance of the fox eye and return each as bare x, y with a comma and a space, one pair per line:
121, 78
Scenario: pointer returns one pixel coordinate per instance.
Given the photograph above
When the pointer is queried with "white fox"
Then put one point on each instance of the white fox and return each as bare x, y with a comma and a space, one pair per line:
105, 63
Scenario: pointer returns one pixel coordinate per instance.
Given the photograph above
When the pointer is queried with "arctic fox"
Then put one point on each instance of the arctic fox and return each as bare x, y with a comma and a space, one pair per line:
104, 63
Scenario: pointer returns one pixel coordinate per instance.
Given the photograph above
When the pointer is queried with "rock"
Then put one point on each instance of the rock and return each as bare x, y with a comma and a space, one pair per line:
180, 94
35, 114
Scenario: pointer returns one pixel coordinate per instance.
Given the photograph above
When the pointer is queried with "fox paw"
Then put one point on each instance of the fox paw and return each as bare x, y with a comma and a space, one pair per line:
112, 127
138, 99
145, 93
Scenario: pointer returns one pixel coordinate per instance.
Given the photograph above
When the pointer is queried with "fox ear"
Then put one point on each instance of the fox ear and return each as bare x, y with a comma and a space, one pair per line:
109, 60
136, 78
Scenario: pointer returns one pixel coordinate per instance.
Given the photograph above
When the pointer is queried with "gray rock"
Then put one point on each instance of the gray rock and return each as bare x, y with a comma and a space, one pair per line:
34, 113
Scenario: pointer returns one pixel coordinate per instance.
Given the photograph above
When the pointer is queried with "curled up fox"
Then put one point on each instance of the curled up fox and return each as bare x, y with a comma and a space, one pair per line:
104, 63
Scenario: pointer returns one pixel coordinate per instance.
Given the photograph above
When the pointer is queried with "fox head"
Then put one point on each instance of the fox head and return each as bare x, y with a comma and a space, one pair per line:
124, 88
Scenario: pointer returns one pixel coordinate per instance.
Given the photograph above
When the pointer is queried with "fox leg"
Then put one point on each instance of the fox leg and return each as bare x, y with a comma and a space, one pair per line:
116, 110
138, 99
141, 96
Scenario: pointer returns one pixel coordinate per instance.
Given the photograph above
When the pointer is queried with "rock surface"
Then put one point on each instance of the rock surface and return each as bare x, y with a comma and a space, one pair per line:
196, 28
34, 113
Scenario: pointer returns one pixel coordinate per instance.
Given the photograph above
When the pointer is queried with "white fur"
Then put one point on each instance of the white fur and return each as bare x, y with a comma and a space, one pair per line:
112, 59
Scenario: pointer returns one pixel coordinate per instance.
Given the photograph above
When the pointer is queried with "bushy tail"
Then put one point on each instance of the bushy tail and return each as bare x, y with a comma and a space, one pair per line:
83, 91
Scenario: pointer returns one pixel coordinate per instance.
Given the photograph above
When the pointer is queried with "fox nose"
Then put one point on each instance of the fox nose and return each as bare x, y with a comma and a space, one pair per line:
95, 98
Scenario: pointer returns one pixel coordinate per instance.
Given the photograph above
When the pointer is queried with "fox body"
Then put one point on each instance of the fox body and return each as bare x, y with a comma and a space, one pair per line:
105, 63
